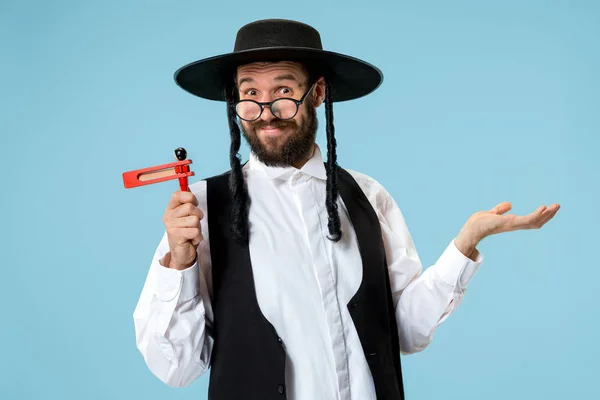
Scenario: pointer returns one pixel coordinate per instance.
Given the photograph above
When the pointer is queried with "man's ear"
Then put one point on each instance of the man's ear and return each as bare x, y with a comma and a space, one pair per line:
319, 92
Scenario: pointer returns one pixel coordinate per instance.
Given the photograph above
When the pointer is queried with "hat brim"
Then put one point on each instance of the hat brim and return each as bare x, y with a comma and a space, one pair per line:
350, 77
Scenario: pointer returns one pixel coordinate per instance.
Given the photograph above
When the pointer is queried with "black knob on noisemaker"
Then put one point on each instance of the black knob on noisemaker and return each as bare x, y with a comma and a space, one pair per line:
180, 153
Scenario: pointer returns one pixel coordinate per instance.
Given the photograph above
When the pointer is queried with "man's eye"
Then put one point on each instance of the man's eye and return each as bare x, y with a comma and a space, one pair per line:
285, 91
251, 92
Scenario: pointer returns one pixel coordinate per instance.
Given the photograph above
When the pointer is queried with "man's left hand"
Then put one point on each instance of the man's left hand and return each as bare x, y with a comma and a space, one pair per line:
487, 223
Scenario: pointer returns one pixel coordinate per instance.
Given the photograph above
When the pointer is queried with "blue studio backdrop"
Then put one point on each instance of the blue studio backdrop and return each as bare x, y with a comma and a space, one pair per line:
482, 102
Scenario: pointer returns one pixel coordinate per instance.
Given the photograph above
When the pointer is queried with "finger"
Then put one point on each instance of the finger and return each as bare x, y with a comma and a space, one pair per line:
537, 214
191, 221
542, 215
197, 239
527, 221
178, 198
548, 217
538, 221
185, 210
501, 208
182, 235
191, 233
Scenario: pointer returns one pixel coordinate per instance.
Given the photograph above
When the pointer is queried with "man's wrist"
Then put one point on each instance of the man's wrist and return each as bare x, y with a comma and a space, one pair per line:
181, 267
168, 262
467, 243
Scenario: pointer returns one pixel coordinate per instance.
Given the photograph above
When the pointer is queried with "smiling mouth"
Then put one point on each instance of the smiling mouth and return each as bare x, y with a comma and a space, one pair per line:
271, 130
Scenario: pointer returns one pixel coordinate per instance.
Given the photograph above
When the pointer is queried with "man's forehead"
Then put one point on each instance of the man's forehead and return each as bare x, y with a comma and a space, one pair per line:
271, 71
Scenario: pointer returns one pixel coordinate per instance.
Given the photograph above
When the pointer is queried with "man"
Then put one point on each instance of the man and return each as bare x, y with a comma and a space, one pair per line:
288, 277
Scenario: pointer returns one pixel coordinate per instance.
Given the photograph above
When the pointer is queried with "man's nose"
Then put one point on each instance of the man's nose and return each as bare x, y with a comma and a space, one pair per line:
267, 115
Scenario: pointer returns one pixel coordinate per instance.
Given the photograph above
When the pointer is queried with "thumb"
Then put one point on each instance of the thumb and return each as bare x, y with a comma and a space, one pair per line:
501, 208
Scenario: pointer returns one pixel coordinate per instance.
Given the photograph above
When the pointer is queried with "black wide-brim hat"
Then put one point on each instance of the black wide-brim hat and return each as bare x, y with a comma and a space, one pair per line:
280, 40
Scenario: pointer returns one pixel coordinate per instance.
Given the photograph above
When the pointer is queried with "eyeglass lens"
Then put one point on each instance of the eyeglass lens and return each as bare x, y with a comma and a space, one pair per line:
281, 108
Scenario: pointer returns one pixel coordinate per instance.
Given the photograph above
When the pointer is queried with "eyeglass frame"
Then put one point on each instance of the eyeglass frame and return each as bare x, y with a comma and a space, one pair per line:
262, 105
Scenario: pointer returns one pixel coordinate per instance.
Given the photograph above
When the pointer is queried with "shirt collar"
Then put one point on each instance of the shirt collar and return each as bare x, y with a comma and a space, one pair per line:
313, 167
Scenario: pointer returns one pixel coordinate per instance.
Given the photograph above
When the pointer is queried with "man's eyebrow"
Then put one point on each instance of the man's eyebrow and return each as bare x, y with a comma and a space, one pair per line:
286, 77
244, 80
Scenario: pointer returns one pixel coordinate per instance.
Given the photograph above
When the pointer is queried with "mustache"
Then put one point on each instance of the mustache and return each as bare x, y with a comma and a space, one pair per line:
276, 123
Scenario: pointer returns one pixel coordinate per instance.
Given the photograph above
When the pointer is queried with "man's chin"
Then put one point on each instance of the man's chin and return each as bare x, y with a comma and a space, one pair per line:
273, 153
273, 144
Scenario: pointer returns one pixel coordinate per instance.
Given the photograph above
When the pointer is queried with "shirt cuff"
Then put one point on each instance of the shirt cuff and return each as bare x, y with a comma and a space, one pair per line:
456, 269
172, 283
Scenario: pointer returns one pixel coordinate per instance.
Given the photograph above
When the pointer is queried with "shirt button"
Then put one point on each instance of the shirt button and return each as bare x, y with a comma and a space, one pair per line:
281, 389
280, 341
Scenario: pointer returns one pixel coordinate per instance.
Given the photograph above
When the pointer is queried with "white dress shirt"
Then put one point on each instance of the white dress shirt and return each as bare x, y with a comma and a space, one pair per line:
303, 285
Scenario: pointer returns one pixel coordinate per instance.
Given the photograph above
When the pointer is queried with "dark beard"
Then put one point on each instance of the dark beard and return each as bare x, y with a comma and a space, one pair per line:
297, 146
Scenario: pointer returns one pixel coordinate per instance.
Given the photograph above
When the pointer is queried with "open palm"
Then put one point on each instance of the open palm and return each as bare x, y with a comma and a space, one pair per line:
496, 220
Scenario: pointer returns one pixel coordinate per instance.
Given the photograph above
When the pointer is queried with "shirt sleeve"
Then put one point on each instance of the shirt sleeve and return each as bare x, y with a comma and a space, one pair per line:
422, 299
173, 315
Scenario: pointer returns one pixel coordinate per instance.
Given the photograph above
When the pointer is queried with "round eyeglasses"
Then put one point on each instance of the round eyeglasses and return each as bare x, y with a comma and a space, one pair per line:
282, 108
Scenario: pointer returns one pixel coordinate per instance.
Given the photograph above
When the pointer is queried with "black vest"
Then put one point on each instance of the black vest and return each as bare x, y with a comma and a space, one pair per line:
248, 357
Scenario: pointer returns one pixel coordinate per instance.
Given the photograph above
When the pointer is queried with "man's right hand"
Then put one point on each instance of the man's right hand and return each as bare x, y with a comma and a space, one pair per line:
182, 222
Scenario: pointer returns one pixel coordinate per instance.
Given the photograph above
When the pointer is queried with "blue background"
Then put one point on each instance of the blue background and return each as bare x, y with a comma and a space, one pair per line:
482, 102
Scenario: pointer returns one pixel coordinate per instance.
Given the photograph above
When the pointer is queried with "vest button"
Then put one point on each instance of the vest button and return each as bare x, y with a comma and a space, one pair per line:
281, 389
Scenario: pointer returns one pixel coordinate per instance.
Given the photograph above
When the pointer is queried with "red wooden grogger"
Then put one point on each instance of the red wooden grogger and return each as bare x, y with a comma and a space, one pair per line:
161, 173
